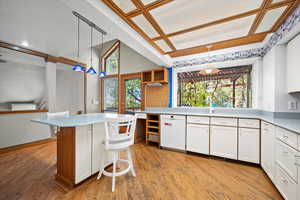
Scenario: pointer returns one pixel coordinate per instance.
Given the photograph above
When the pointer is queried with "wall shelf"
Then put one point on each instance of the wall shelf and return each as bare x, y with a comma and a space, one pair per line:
155, 76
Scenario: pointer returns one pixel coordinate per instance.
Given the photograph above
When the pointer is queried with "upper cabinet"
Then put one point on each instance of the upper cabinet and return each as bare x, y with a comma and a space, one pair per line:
155, 76
293, 65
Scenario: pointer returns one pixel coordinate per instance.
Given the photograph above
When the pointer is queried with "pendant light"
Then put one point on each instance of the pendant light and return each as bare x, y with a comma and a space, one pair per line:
210, 69
91, 70
78, 67
101, 73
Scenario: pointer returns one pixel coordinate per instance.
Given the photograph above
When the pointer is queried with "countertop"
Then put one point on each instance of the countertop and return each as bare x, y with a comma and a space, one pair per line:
289, 124
78, 120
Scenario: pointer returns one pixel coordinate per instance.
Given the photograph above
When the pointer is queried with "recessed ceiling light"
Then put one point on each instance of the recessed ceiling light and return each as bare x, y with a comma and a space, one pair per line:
25, 43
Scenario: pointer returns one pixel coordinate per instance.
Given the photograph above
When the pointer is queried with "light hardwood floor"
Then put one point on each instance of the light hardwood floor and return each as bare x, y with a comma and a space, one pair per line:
161, 174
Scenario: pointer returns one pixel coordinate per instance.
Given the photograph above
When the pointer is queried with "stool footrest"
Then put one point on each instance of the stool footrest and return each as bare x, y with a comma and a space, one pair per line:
125, 171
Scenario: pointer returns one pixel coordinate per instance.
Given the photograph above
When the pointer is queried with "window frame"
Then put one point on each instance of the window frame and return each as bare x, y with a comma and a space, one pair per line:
248, 90
108, 53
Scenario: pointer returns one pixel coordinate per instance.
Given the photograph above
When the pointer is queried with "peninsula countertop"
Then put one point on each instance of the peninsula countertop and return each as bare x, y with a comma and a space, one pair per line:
287, 123
78, 120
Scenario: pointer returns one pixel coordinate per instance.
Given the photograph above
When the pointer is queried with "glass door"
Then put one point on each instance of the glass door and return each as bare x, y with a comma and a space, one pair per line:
133, 95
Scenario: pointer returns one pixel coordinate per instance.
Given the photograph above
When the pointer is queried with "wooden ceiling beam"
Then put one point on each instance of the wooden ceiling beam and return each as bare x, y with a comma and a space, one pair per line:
22, 49
153, 22
288, 11
148, 7
220, 21
220, 45
279, 4
259, 16
122, 15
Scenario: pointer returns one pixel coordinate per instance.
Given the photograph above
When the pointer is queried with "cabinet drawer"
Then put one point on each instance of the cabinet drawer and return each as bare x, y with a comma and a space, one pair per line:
286, 157
286, 186
198, 119
249, 123
222, 121
287, 137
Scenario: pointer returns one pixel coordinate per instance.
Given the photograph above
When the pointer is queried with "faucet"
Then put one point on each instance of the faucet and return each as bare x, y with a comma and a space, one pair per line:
211, 105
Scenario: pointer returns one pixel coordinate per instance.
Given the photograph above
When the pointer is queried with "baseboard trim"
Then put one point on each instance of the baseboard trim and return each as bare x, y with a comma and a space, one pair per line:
22, 146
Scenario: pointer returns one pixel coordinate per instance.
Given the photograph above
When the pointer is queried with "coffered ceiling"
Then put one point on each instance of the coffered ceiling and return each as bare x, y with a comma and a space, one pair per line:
184, 27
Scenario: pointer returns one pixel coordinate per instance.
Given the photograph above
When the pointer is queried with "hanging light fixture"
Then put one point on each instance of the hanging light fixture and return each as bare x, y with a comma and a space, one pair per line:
101, 73
78, 67
210, 69
91, 70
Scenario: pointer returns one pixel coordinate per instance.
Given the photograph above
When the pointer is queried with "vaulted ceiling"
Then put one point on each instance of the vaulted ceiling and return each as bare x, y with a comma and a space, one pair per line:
184, 27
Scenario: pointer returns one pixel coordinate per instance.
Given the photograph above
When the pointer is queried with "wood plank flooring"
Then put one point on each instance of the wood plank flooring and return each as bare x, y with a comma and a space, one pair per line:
161, 174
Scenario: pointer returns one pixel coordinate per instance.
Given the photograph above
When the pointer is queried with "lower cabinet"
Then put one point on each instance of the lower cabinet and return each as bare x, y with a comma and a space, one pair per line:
83, 152
249, 145
223, 141
286, 186
268, 149
197, 138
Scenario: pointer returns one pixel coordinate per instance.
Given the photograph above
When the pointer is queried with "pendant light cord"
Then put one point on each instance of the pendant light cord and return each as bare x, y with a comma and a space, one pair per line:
78, 35
91, 46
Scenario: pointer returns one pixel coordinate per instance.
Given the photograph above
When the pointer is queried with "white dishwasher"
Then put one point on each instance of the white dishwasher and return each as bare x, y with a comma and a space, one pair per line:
173, 131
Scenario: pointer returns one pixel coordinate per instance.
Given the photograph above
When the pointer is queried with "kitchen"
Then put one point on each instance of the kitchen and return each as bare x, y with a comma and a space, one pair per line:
205, 109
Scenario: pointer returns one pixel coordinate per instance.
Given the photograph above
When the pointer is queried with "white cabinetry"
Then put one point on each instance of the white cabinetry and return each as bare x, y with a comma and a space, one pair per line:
249, 145
224, 141
83, 152
267, 149
293, 69
197, 138
173, 132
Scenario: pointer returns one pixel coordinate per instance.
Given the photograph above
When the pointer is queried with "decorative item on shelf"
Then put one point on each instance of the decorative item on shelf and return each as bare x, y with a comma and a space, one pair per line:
78, 67
210, 69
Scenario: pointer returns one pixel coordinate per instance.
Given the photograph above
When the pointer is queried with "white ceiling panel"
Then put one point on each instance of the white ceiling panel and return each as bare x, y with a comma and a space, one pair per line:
182, 14
163, 45
270, 18
145, 2
125, 5
276, 1
143, 23
229, 30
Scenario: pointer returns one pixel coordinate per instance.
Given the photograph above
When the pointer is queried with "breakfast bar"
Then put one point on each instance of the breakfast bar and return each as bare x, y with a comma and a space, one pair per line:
79, 145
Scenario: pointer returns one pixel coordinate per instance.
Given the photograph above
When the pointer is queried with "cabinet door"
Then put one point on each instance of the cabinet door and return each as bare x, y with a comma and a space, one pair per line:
249, 145
267, 149
224, 141
83, 142
98, 149
197, 138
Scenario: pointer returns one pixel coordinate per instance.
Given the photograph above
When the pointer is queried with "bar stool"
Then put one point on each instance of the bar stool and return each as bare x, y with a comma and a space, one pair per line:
54, 129
119, 136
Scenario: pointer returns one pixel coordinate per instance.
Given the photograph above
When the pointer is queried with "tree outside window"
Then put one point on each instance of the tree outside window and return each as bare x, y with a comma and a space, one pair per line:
228, 88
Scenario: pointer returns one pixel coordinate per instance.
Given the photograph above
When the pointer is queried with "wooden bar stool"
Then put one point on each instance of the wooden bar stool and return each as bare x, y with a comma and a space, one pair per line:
119, 136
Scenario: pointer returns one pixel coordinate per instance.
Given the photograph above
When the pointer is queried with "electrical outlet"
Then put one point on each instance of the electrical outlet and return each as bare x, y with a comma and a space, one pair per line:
292, 105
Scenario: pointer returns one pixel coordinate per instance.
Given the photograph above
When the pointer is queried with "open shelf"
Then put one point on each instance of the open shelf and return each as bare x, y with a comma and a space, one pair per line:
159, 75
147, 76
153, 128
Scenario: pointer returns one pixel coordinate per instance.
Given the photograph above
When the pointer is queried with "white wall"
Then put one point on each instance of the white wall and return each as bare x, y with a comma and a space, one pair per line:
69, 90
275, 93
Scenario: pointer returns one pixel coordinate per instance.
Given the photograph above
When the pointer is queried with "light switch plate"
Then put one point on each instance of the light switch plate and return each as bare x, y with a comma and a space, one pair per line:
292, 105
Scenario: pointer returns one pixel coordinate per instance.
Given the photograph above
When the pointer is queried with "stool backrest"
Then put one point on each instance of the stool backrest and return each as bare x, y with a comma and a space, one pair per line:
58, 114
120, 131
53, 129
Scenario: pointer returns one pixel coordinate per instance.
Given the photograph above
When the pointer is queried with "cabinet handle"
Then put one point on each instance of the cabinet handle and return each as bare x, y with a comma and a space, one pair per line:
285, 152
297, 164
286, 137
284, 180
297, 156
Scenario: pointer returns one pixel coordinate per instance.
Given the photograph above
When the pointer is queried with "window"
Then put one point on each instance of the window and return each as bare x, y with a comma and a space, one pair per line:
228, 88
112, 60
110, 91
133, 96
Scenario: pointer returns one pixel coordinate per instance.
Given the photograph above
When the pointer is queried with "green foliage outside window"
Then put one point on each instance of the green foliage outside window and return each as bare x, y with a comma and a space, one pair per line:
133, 94
112, 63
222, 92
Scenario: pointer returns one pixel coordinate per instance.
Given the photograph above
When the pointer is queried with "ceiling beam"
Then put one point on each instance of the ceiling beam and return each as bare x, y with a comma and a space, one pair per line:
148, 7
22, 49
153, 22
220, 21
288, 11
220, 45
121, 14
259, 16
